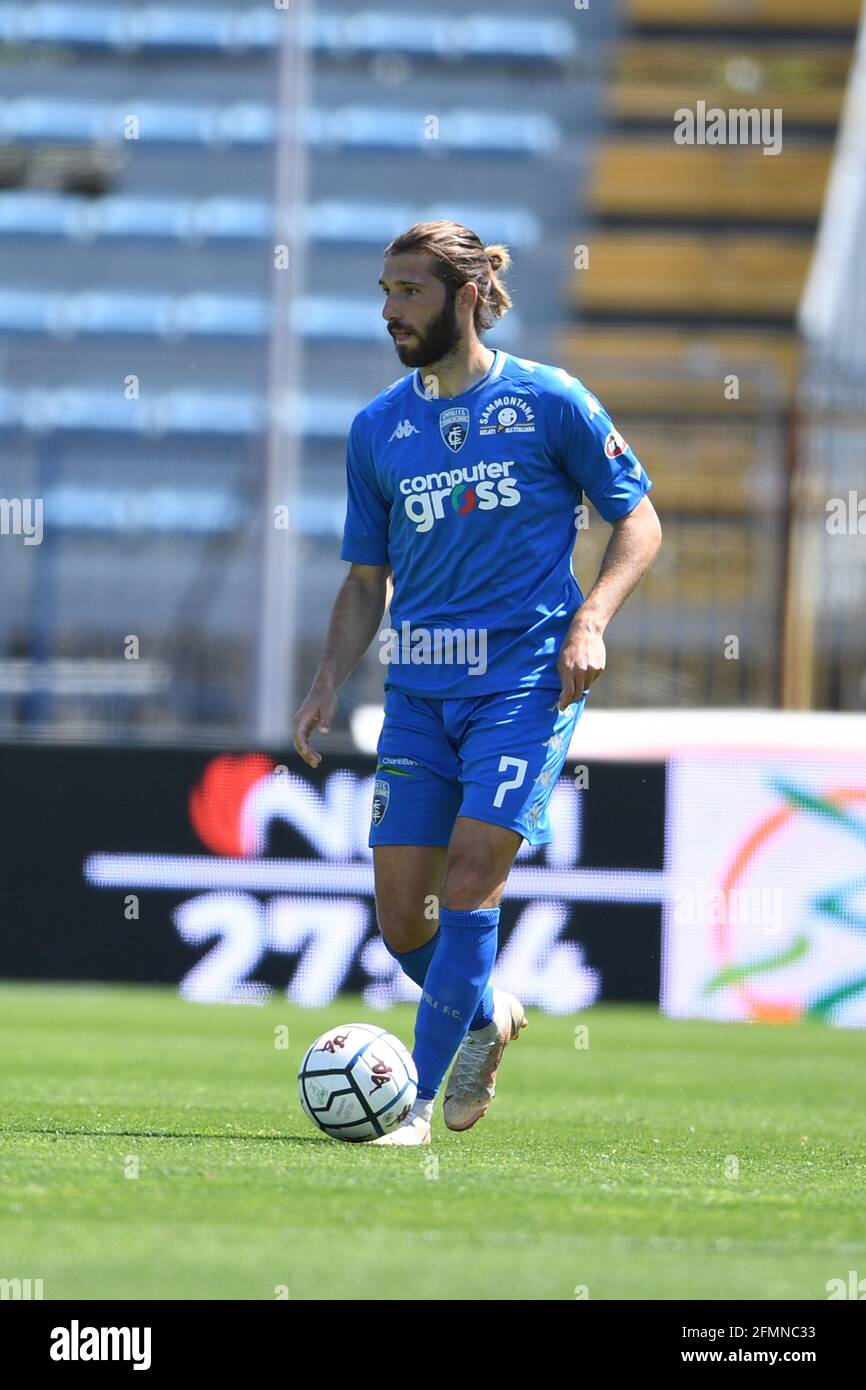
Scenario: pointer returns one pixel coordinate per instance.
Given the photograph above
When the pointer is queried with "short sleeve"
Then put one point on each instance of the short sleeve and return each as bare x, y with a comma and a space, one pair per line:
365, 534
594, 454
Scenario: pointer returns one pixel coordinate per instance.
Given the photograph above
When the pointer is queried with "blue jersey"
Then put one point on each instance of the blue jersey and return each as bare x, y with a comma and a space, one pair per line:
473, 502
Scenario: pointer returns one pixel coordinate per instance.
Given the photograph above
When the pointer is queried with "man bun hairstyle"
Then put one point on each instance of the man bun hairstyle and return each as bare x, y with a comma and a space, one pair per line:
458, 256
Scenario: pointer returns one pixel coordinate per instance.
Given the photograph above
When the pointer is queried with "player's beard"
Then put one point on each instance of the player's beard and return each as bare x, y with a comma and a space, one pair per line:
437, 340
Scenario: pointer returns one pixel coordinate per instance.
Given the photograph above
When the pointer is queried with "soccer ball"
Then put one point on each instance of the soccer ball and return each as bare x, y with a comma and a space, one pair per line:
357, 1082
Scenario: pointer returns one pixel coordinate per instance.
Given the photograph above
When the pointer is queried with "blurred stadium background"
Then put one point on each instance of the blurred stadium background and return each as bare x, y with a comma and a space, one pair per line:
193, 204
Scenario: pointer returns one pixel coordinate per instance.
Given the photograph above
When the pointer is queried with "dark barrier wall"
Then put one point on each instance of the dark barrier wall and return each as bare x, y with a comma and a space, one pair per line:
234, 876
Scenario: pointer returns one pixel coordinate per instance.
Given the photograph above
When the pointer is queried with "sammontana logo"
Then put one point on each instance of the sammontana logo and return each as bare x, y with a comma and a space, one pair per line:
507, 415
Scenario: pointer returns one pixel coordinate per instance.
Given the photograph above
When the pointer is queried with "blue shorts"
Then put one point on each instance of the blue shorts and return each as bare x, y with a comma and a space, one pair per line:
492, 757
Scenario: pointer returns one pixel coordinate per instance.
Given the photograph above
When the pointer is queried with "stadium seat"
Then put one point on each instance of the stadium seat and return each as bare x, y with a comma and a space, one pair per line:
654, 78
642, 178
708, 554
747, 14
696, 469
448, 38
686, 274
25, 213
177, 316
377, 222
678, 371
95, 410
251, 124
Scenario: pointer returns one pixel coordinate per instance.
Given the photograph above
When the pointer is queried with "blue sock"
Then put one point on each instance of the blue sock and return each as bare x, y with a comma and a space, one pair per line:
454, 985
415, 964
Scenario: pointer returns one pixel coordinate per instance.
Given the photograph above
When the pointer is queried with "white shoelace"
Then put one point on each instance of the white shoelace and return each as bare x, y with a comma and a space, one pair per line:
469, 1064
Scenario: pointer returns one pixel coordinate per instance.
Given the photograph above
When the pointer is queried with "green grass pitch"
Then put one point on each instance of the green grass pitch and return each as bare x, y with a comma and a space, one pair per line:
665, 1160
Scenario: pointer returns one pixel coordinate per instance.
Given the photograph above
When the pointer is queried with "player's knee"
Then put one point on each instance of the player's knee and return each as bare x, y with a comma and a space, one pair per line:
466, 884
404, 931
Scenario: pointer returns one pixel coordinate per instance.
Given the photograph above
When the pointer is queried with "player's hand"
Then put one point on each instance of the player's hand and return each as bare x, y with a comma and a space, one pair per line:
581, 661
317, 711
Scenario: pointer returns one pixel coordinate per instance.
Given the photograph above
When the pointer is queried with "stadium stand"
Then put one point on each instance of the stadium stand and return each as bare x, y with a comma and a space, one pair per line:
685, 305
137, 216
143, 249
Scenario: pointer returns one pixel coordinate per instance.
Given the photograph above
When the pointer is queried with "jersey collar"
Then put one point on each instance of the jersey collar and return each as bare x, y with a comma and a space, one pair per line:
495, 368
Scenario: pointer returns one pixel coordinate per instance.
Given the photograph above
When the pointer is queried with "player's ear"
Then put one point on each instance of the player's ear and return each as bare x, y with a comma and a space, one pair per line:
467, 295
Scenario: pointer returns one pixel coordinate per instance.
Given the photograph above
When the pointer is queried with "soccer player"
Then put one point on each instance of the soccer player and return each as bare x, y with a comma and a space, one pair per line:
464, 480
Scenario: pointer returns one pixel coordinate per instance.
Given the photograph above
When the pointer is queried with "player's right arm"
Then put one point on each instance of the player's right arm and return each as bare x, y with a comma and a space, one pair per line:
355, 620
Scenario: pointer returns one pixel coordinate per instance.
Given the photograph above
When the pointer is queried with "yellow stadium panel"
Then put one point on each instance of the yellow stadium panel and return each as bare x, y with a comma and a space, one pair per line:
687, 273
696, 467
682, 371
698, 560
653, 79
745, 14
644, 179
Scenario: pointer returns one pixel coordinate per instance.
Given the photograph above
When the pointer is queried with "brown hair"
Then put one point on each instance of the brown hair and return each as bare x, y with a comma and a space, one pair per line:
459, 256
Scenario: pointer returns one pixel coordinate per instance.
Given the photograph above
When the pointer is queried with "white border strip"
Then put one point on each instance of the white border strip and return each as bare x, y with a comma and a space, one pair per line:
324, 877
825, 309
654, 735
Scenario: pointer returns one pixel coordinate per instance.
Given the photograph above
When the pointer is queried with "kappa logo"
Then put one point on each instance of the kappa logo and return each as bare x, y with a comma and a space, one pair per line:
380, 1074
403, 430
507, 415
454, 427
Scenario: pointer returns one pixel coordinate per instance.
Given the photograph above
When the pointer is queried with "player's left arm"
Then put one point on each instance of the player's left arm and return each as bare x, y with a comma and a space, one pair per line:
631, 549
